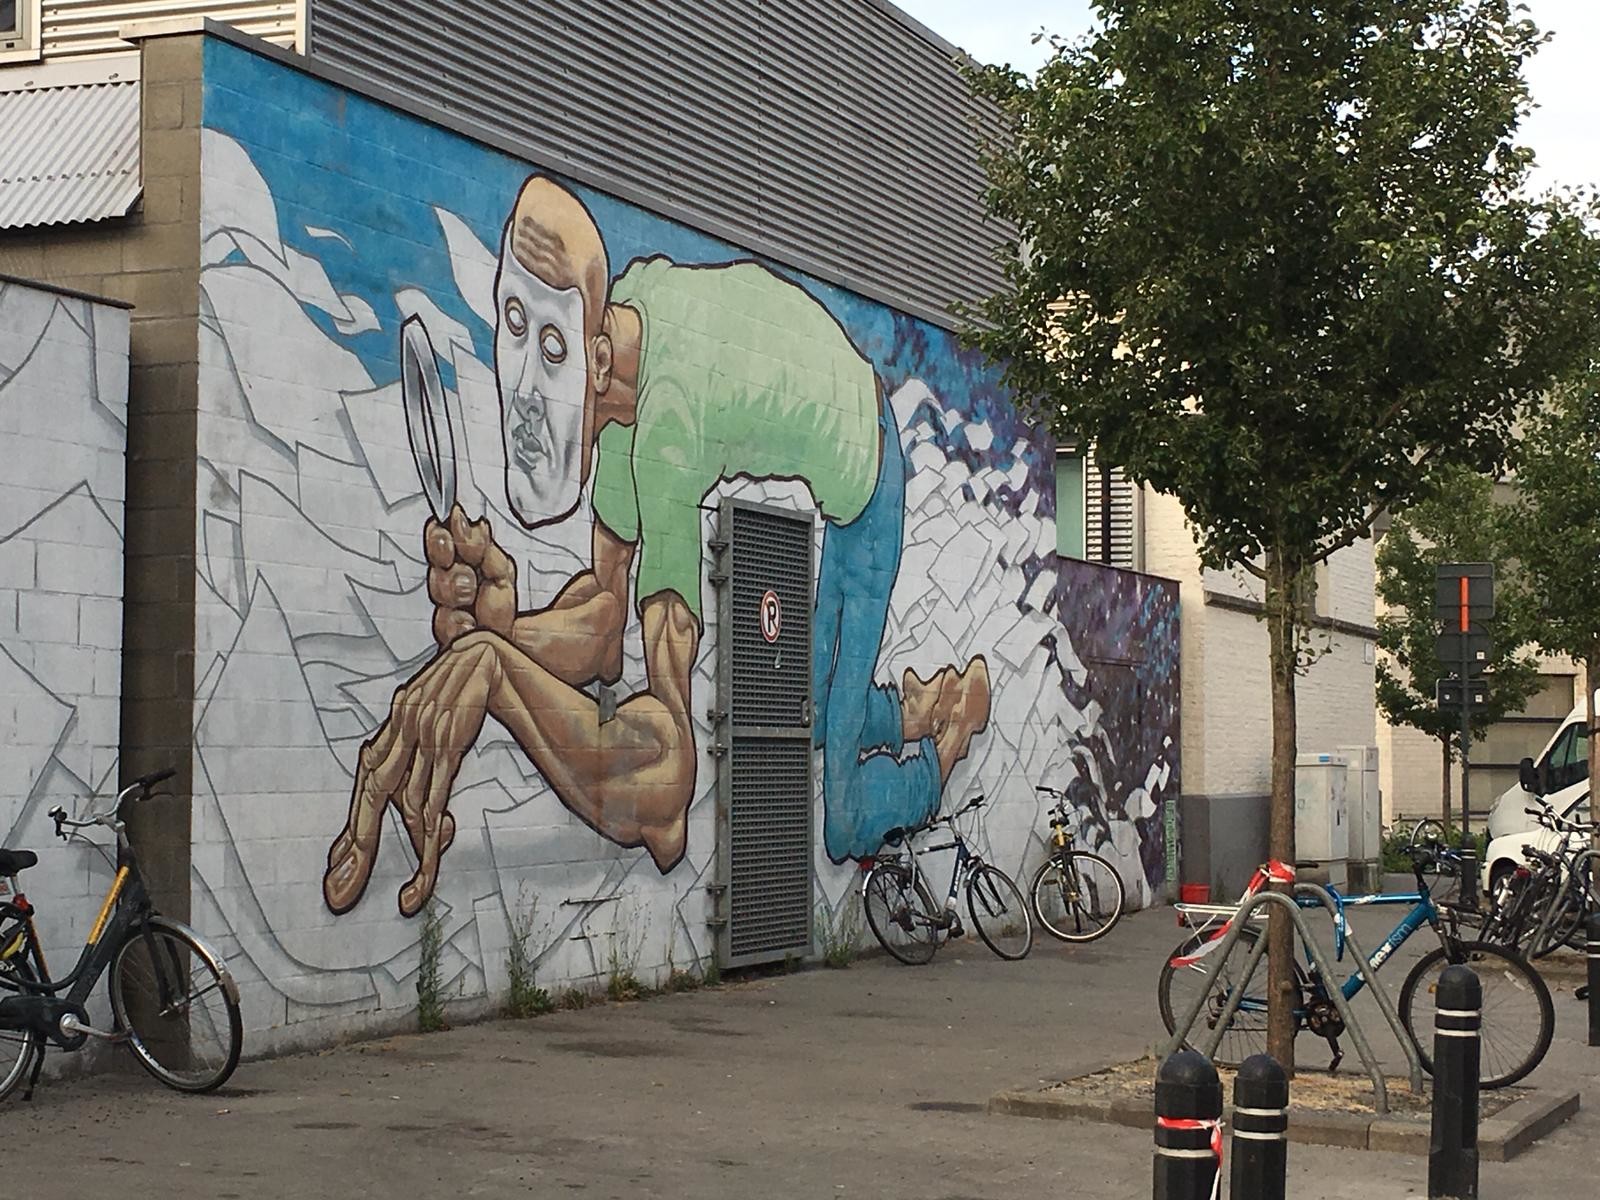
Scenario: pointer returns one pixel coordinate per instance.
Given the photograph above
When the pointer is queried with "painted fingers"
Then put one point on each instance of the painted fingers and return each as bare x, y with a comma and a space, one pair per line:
471, 581
411, 763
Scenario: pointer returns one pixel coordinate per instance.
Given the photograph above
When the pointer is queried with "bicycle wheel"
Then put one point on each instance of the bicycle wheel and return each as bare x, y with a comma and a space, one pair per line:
17, 1046
1563, 923
1078, 900
1246, 1034
999, 913
1518, 1016
901, 913
179, 1006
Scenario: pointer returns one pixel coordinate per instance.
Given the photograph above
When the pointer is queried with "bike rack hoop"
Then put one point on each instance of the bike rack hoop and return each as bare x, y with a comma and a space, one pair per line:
1230, 942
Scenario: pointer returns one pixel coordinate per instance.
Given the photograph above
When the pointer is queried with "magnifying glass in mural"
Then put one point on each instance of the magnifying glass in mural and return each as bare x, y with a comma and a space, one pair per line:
428, 426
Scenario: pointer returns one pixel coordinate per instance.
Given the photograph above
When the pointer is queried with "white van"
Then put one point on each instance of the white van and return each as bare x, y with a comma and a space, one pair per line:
1560, 775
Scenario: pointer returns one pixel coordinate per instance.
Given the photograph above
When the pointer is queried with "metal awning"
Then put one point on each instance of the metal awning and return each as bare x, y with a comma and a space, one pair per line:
68, 154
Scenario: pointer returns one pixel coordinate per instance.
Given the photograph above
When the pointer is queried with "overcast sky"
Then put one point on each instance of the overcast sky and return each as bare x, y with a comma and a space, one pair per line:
1562, 131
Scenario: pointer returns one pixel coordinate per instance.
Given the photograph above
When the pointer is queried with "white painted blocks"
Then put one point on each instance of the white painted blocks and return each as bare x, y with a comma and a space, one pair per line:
63, 403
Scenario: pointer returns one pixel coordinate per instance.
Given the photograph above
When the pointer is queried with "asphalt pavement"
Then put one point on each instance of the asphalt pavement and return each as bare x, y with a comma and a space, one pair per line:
866, 1082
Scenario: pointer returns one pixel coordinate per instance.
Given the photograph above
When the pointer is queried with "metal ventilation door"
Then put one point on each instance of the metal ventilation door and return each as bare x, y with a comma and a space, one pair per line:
764, 785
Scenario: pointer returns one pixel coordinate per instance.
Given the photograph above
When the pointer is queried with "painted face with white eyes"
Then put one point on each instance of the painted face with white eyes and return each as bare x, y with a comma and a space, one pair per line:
543, 373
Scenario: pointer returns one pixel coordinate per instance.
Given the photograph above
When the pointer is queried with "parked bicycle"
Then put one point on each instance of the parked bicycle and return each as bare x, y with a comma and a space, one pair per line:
1518, 1015
1541, 907
173, 1002
911, 925
1077, 895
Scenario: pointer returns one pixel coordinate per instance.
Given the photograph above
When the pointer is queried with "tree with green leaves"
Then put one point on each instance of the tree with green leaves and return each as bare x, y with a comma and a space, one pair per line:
1457, 524
1276, 259
1555, 526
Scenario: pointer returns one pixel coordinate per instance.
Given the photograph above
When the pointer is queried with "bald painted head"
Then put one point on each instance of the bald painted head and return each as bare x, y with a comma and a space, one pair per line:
552, 356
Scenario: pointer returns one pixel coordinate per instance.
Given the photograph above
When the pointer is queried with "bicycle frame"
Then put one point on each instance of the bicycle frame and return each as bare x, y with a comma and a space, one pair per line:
1424, 911
965, 861
127, 906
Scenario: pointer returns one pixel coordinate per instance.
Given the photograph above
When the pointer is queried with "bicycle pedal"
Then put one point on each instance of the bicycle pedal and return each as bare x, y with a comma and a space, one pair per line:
956, 930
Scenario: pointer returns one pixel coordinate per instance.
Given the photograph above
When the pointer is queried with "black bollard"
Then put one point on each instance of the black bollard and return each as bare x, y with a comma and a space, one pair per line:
1594, 979
1260, 1130
1188, 1127
1453, 1149
1468, 893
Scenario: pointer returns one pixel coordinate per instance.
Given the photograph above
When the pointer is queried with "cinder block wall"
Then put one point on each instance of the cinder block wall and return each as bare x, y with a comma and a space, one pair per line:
63, 431
326, 219
277, 591
150, 261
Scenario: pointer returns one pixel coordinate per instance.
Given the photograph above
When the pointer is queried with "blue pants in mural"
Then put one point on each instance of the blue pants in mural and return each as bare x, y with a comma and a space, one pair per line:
871, 780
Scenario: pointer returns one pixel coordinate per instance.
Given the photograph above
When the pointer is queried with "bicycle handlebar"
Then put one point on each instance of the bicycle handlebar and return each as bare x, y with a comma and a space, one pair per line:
1550, 819
901, 833
112, 817
976, 802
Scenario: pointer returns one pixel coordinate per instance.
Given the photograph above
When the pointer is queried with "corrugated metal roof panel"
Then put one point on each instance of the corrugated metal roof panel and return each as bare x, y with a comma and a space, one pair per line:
69, 154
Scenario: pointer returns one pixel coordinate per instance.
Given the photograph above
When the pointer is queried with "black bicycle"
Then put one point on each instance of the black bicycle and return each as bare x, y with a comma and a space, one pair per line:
1537, 909
1077, 895
173, 1002
910, 924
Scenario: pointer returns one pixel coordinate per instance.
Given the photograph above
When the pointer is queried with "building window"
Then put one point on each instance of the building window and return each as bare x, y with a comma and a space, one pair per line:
19, 30
1071, 503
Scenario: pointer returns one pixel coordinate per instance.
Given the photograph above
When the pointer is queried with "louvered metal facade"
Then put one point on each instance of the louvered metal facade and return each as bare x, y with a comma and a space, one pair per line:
765, 791
75, 29
1112, 516
834, 135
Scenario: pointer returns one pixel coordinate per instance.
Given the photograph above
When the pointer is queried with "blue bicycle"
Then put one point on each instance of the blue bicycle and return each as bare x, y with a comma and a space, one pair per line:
1518, 1015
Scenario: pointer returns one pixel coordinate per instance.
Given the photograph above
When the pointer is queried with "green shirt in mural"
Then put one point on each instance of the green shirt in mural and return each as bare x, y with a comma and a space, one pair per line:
740, 374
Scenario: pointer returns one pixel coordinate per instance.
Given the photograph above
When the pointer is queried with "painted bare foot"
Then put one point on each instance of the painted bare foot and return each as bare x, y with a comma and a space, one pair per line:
961, 713
918, 699
951, 708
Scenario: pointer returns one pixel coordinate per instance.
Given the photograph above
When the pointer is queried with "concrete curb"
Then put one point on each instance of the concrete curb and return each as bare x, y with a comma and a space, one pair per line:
1512, 1130
1500, 1138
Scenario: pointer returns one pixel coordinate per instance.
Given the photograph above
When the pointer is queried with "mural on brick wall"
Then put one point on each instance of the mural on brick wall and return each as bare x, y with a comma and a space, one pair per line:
63, 423
464, 430
1125, 627
659, 386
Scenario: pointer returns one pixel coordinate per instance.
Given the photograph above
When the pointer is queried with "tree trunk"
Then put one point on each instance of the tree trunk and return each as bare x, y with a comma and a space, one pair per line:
1282, 995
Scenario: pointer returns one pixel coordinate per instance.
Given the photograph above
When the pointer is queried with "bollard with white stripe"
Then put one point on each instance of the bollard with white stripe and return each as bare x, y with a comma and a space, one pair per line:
1594, 979
1188, 1128
1260, 1130
1453, 1148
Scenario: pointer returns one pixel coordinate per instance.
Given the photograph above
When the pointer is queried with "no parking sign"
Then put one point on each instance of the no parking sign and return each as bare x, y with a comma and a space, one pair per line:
771, 616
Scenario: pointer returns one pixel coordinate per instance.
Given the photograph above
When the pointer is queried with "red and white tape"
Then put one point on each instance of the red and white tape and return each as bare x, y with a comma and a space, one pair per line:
1269, 872
1189, 1124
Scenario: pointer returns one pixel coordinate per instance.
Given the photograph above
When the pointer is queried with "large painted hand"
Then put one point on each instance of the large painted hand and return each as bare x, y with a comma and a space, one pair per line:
411, 763
471, 581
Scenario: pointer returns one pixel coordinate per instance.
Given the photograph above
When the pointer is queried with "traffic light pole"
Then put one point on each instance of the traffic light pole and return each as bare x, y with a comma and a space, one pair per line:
1463, 598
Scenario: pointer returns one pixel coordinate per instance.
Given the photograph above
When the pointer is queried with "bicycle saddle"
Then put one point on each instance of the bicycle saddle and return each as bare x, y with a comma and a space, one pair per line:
12, 861
893, 837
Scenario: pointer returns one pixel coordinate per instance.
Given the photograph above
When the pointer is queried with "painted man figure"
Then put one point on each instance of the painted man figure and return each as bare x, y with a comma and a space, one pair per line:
662, 383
